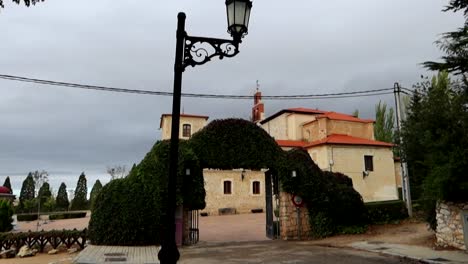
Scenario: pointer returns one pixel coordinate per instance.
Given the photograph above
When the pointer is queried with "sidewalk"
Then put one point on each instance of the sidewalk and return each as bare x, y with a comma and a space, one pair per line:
423, 254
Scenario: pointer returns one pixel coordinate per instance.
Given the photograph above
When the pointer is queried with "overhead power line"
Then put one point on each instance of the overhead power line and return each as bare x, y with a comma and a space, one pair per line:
219, 96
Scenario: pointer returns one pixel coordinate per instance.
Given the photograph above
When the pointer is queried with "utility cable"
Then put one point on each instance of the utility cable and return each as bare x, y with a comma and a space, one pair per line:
220, 96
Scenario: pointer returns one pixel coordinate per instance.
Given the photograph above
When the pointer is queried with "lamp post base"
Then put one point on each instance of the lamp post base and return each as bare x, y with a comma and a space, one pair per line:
169, 254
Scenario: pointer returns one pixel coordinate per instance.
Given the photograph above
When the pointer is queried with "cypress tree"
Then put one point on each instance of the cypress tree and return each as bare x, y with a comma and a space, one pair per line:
27, 191
80, 202
8, 184
44, 193
62, 202
94, 192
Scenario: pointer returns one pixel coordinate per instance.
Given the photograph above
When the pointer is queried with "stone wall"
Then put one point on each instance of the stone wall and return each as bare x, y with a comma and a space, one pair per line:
241, 199
288, 220
449, 224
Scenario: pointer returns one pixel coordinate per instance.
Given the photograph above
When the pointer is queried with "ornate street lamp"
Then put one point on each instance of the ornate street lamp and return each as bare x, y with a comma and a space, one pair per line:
192, 51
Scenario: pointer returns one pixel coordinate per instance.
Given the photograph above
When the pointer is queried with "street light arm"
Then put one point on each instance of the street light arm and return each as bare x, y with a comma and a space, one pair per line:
200, 50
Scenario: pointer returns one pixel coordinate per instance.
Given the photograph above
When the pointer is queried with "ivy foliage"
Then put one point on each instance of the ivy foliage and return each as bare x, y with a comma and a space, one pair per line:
235, 143
134, 207
329, 196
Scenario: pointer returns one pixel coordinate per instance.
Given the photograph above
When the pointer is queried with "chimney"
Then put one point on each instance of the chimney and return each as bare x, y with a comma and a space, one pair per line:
258, 110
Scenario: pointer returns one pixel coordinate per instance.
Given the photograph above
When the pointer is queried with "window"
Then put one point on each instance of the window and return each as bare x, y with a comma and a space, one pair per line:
368, 163
256, 187
227, 187
186, 130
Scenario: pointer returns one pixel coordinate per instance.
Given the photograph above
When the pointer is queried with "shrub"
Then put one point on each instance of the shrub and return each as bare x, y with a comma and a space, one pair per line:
6, 213
69, 215
235, 143
386, 212
134, 207
333, 204
26, 217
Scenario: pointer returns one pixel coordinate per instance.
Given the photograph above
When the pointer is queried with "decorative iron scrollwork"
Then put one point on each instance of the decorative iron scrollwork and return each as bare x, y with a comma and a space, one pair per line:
199, 50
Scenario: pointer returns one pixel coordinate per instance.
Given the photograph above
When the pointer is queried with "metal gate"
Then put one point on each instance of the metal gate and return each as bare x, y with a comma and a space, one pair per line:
270, 232
194, 233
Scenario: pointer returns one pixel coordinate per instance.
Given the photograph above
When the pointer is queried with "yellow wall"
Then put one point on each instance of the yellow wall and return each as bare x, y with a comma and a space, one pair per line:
397, 166
379, 185
277, 127
197, 124
242, 197
355, 129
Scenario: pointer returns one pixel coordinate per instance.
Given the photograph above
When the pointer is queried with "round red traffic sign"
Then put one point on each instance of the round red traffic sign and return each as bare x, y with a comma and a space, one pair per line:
297, 201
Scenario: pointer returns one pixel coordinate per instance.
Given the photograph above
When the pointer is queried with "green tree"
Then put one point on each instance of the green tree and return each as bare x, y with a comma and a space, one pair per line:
94, 192
44, 194
356, 113
384, 121
26, 2
27, 191
62, 202
455, 45
6, 213
8, 184
435, 137
80, 202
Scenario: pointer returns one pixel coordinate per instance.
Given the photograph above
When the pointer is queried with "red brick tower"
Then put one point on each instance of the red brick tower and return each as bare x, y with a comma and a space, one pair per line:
258, 110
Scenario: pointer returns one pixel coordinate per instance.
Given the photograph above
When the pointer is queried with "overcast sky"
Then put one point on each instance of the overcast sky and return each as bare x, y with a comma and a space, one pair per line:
293, 47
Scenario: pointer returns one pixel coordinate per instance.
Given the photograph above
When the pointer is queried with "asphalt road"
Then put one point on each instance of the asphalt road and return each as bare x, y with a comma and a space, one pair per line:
279, 252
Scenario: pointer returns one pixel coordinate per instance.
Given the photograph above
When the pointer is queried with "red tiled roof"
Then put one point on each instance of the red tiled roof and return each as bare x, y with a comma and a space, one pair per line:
291, 143
344, 117
182, 115
187, 115
347, 140
306, 110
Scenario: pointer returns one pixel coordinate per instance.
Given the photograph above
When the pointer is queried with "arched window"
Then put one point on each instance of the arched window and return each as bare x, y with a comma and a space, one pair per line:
227, 187
186, 130
256, 187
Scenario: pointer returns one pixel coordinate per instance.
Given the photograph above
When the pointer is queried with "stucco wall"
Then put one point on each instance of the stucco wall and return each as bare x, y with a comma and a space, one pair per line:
242, 197
277, 127
290, 228
295, 123
319, 155
449, 224
397, 166
355, 129
379, 185
197, 124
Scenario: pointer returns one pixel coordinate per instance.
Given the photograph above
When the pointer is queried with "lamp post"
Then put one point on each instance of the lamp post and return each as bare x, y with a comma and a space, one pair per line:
193, 51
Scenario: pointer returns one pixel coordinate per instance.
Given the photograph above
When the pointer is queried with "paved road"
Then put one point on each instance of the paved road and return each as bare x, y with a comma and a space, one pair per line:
277, 251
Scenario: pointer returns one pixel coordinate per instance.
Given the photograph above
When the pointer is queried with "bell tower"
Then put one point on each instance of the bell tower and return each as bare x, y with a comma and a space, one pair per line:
258, 109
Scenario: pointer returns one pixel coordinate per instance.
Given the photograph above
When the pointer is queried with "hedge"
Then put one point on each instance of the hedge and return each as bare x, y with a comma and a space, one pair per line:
333, 204
134, 207
26, 217
67, 215
235, 143
386, 212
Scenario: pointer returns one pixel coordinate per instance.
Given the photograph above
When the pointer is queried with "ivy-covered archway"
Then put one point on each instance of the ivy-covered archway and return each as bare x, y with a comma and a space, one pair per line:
134, 207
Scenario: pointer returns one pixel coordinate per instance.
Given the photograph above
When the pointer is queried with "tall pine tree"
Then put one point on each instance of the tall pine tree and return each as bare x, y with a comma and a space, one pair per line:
97, 187
27, 191
8, 184
80, 202
62, 202
44, 193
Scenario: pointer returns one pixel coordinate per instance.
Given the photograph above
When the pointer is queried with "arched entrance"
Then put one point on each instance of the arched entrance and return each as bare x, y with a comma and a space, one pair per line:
238, 157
